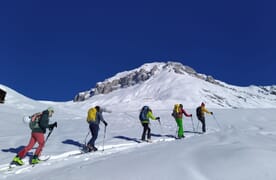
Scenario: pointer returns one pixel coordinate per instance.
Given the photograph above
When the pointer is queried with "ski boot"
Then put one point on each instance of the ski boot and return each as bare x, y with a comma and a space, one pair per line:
17, 161
91, 148
35, 160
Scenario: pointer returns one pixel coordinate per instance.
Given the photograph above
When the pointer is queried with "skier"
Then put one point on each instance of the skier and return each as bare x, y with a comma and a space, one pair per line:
178, 112
37, 136
201, 117
145, 115
94, 126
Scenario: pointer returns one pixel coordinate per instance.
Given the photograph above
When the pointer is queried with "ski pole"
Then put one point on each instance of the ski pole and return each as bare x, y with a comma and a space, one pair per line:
50, 132
104, 136
216, 121
193, 123
197, 126
86, 138
161, 127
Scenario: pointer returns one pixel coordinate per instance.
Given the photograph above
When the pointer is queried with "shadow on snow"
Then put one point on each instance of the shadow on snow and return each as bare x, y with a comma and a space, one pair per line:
72, 142
16, 150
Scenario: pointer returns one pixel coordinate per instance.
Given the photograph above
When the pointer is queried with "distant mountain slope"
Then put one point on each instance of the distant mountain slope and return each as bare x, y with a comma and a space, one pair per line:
174, 82
18, 101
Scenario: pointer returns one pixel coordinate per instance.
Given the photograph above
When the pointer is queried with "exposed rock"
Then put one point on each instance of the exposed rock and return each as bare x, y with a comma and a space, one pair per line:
139, 76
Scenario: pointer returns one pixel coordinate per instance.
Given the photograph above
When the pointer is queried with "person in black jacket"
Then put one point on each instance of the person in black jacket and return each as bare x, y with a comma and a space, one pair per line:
37, 136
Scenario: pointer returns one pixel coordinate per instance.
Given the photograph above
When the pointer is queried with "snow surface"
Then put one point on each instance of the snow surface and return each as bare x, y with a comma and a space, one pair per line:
239, 143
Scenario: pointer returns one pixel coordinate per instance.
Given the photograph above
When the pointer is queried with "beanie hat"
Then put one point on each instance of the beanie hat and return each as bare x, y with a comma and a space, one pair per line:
202, 104
98, 108
50, 109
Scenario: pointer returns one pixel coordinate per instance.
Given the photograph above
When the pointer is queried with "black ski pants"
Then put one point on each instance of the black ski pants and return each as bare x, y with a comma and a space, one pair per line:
202, 120
94, 129
146, 130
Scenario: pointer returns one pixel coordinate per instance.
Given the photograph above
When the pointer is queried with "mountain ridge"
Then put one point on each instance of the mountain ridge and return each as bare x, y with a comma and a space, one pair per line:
172, 82
138, 75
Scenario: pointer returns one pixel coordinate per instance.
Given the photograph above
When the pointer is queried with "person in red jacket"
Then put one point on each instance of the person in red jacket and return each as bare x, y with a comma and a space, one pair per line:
178, 112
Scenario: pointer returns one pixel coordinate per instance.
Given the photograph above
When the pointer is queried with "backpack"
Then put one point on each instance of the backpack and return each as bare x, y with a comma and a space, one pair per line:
176, 108
176, 111
34, 120
143, 113
91, 115
198, 112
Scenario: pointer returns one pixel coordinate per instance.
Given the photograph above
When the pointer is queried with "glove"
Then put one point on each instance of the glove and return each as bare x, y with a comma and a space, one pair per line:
105, 123
55, 124
51, 126
211, 113
191, 115
157, 118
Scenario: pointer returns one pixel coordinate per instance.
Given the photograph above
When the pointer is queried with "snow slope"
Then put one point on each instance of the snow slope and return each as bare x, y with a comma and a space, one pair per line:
239, 143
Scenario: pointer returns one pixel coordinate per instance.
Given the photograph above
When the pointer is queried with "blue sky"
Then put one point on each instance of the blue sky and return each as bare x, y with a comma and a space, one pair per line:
51, 50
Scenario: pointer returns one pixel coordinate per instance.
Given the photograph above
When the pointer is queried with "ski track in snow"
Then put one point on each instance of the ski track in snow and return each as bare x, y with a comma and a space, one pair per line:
77, 154
80, 157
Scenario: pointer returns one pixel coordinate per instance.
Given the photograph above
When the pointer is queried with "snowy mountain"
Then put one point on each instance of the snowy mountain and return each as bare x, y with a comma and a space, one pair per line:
239, 143
174, 82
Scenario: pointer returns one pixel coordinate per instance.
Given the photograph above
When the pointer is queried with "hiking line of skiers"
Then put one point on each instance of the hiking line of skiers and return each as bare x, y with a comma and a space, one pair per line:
39, 122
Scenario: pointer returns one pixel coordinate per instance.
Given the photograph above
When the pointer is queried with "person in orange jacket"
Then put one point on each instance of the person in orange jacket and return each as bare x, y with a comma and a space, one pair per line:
201, 116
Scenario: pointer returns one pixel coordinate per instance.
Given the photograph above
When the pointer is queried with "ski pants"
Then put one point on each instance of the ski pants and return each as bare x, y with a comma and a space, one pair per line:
202, 120
146, 130
35, 138
94, 129
179, 123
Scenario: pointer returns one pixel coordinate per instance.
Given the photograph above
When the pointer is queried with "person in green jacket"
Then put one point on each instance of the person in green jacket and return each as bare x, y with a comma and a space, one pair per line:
178, 112
37, 136
145, 116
